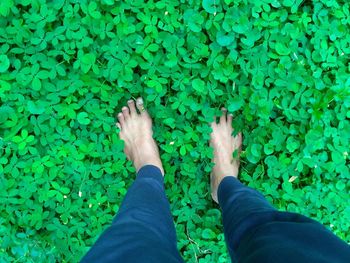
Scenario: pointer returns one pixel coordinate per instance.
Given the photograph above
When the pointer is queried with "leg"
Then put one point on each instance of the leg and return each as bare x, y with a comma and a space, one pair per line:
254, 230
143, 230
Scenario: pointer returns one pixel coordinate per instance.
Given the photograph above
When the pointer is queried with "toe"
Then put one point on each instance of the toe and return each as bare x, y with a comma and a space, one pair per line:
140, 106
223, 116
131, 104
229, 119
126, 112
121, 119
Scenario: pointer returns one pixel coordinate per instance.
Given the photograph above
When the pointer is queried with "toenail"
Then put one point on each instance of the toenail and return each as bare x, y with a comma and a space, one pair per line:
139, 101
124, 108
120, 114
130, 101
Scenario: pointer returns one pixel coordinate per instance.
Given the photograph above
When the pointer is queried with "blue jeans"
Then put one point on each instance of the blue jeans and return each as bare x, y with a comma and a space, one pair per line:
143, 229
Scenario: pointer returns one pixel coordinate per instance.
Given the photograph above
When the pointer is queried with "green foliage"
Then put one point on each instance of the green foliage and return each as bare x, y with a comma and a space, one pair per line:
67, 67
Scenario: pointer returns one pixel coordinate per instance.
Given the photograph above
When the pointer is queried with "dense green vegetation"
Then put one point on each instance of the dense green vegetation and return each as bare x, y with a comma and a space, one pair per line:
68, 66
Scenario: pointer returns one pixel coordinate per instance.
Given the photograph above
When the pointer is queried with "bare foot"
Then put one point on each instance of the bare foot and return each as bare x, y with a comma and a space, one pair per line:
136, 131
224, 145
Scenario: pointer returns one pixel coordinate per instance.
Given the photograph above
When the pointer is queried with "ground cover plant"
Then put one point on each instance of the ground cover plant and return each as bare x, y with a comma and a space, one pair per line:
68, 66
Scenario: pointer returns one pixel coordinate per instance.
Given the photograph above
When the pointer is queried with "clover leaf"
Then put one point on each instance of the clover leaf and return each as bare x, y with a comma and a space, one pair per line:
83, 118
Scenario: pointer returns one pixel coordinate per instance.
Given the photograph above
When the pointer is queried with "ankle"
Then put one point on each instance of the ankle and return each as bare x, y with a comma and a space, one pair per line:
221, 171
146, 157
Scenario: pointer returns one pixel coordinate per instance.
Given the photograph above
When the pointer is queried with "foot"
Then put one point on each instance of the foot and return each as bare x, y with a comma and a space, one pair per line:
224, 145
136, 131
